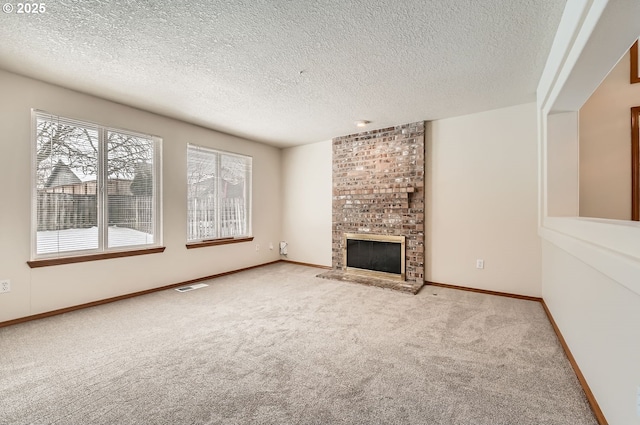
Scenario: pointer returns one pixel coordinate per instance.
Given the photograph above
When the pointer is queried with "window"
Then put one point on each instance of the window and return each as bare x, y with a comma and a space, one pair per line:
95, 189
219, 194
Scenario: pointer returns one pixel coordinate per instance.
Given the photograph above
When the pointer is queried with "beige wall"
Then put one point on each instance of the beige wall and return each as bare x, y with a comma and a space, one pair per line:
605, 146
306, 211
44, 289
482, 201
562, 182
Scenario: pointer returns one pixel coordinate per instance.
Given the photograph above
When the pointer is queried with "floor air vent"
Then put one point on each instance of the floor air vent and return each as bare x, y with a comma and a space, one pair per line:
191, 288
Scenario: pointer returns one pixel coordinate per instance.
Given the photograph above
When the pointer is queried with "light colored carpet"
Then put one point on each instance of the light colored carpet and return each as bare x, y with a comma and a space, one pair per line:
276, 345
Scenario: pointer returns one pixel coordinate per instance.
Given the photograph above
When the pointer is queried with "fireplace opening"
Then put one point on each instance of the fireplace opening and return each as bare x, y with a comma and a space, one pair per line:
374, 255
377, 255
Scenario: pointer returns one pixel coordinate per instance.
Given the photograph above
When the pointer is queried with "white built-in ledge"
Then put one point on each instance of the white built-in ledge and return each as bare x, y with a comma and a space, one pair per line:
609, 246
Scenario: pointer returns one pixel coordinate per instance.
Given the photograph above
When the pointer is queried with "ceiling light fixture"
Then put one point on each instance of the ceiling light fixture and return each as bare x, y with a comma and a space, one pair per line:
362, 123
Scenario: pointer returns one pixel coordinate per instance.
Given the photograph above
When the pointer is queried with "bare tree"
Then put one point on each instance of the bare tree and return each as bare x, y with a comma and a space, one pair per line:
128, 155
78, 148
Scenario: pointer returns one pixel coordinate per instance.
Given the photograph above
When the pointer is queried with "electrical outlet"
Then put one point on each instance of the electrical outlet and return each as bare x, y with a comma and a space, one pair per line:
257, 247
271, 246
479, 264
5, 286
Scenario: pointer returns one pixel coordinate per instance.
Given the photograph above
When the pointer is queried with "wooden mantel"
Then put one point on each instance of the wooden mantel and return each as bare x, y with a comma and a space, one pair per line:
374, 191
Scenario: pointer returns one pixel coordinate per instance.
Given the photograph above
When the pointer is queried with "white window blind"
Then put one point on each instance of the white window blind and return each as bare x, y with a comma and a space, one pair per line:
218, 194
95, 189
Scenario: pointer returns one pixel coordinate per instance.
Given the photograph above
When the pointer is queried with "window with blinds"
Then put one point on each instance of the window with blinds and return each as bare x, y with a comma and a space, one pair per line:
95, 190
218, 194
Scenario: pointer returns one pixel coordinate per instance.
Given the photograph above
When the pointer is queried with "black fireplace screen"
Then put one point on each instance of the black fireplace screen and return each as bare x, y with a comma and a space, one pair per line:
374, 255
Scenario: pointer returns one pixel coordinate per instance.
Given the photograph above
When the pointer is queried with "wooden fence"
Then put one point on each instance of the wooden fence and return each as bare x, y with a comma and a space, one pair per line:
207, 221
134, 212
61, 211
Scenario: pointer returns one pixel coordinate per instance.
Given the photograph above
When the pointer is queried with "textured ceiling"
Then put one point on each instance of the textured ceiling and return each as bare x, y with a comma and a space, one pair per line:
289, 72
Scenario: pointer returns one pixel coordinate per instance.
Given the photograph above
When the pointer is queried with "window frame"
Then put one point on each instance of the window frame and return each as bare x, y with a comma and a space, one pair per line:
103, 251
248, 199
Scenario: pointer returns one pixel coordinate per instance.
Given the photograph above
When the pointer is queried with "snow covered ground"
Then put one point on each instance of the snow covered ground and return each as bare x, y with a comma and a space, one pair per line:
82, 239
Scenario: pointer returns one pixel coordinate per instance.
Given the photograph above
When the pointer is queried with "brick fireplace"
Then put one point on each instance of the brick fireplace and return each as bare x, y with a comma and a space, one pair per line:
378, 189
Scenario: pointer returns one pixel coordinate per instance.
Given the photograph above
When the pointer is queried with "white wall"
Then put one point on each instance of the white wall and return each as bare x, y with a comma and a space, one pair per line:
599, 319
49, 288
482, 201
590, 267
605, 146
307, 194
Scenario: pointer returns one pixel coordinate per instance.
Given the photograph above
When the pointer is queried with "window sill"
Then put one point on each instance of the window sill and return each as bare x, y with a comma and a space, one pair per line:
94, 257
214, 242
